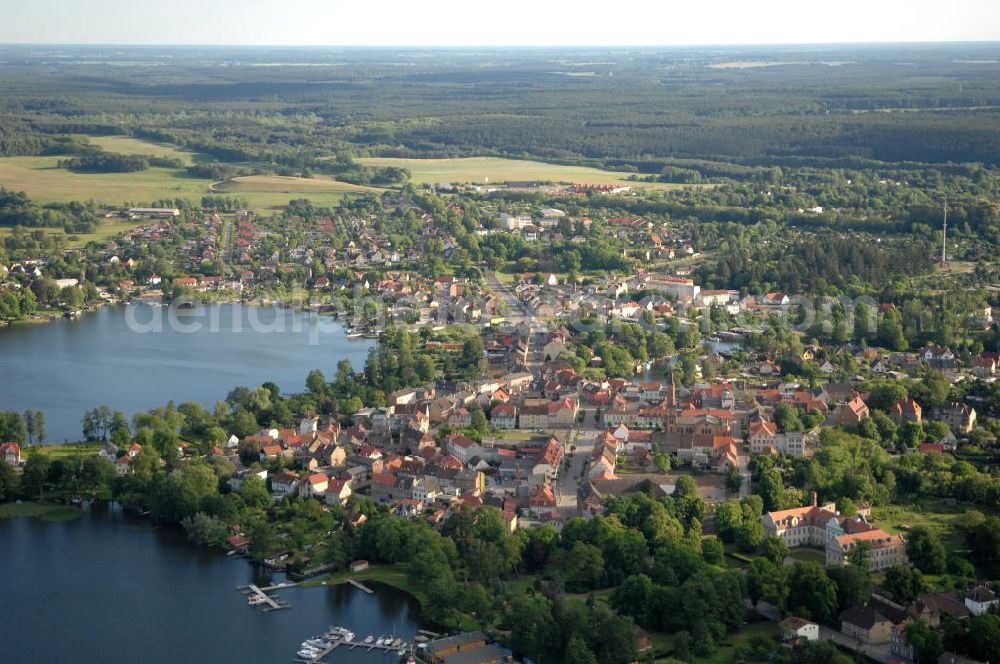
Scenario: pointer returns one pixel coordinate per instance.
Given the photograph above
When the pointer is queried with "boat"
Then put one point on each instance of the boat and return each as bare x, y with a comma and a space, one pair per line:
369, 639
354, 335
349, 636
397, 642
307, 654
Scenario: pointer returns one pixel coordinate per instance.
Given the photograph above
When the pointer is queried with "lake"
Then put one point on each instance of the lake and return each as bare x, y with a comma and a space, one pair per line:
110, 587
137, 357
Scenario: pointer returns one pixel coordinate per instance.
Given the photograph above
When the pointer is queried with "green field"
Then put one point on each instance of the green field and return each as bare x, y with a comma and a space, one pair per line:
807, 555
137, 146
496, 169
286, 185
106, 230
43, 511
936, 513
43, 181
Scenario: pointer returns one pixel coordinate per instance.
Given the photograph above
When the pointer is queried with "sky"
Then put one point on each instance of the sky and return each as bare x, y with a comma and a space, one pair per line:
504, 23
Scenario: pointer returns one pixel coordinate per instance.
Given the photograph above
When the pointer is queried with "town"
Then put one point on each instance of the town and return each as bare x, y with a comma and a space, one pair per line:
599, 364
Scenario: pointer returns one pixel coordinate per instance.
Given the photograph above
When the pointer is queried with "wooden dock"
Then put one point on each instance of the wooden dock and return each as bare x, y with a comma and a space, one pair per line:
360, 586
265, 601
368, 647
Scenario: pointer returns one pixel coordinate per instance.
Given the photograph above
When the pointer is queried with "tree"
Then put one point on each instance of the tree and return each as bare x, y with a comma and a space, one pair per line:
254, 492
577, 651
36, 473
925, 550
662, 462
774, 549
583, 567
479, 423
40, 433
811, 593
9, 483
786, 418
713, 551
983, 540
97, 423
12, 428
854, 584
316, 382
904, 584
926, 642
29, 425
767, 582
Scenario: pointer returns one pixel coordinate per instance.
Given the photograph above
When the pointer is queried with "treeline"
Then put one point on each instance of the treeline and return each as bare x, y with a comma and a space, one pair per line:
818, 265
105, 163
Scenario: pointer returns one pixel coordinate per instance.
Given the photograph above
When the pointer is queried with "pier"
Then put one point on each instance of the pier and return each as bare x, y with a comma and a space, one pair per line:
259, 597
400, 646
361, 586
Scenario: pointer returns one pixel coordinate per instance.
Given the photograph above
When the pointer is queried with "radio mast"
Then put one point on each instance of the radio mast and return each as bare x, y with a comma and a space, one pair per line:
944, 234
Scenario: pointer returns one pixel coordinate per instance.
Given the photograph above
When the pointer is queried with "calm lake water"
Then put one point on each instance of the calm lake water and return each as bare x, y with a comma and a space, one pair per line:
110, 587
65, 368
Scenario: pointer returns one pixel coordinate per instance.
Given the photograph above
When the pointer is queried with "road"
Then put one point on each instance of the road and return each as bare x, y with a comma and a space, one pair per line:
566, 485
519, 311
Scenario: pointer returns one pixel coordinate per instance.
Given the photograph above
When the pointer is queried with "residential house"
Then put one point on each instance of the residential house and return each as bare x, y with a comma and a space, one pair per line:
798, 629
851, 412
981, 600
315, 485
338, 491
866, 626
959, 417
906, 410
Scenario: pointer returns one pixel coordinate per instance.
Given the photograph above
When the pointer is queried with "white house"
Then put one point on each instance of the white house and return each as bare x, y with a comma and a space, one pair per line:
794, 628
981, 600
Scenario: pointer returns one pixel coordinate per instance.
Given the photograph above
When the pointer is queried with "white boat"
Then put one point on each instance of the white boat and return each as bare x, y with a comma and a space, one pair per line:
369, 639
307, 654
349, 636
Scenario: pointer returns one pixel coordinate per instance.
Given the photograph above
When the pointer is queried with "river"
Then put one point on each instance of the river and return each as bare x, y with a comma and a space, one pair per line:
123, 357
110, 587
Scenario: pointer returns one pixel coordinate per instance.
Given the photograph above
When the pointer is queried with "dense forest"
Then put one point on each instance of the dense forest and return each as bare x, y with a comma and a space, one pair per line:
640, 110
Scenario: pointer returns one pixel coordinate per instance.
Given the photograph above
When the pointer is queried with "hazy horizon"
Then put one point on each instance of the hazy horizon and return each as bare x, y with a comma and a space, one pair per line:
518, 23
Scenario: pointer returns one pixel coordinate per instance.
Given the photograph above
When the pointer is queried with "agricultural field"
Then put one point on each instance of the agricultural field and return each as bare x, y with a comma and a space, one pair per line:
480, 170
43, 181
137, 146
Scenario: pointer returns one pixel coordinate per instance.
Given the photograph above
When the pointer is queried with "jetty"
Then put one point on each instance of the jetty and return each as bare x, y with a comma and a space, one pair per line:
361, 586
259, 597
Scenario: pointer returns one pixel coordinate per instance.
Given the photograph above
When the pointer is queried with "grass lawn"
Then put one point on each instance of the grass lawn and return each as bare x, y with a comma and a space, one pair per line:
137, 146
63, 451
43, 511
936, 513
497, 169
105, 230
808, 555
725, 654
